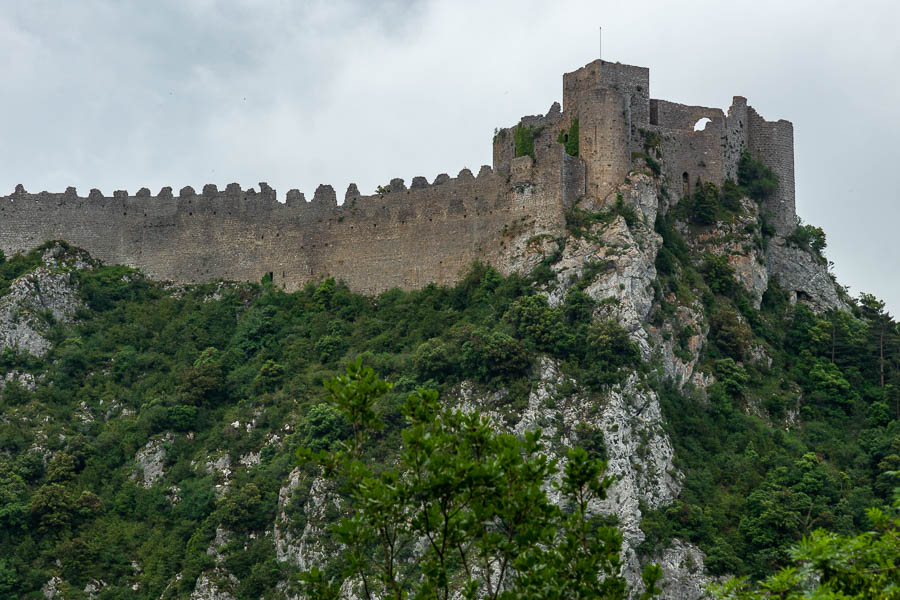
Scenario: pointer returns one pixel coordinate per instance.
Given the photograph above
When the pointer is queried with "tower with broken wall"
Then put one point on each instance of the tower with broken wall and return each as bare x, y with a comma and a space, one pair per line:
620, 125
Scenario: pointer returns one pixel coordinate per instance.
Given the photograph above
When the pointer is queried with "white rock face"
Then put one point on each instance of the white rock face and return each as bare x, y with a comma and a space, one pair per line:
25, 380
683, 565
151, 460
640, 456
48, 290
22, 310
211, 588
626, 257
51, 589
305, 550
803, 277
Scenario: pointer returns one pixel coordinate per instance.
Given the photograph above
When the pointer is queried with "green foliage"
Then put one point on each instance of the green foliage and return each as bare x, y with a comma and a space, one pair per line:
758, 180
751, 490
524, 140
705, 204
808, 237
580, 222
731, 195
627, 212
102, 288
831, 565
719, 274
16, 266
732, 376
209, 372
477, 499
570, 138
651, 162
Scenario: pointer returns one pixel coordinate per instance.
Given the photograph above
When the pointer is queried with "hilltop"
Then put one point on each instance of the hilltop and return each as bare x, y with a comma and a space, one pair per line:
689, 334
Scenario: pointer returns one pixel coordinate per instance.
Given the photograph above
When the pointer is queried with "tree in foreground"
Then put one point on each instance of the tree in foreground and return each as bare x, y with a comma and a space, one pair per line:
464, 511
835, 567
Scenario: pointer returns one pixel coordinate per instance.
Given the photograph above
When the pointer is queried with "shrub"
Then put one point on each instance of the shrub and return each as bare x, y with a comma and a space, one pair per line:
731, 195
732, 375
808, 237
719, 274
625, 211
539, 325
322, 426
706, 203
730, 335
491, 353
435, 358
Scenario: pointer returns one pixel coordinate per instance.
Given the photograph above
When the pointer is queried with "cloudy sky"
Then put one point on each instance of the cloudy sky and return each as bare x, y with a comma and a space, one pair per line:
121, 95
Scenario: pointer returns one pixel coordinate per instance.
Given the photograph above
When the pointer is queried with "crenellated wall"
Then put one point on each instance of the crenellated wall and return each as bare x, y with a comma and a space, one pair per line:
427, 232
406, 238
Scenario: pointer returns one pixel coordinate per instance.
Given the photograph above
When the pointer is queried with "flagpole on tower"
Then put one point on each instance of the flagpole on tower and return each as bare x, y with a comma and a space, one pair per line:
601, 43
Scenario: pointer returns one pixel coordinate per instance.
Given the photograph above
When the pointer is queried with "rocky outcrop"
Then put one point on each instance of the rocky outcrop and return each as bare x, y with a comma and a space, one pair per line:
305, 550
619, 259
151, 459
38, 299
804, 276
685, 577
35, 301
210, 587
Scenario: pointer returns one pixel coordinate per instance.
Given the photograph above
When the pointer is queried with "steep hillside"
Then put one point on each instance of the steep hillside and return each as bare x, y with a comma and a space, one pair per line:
148, 431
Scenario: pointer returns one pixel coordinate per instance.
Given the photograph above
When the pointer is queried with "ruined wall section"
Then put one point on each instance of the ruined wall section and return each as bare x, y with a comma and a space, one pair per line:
772, 142
560, 177
736, 124
689, 156
407, 238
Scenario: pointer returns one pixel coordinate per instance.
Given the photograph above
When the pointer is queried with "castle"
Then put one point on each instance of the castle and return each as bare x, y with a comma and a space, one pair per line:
428, 232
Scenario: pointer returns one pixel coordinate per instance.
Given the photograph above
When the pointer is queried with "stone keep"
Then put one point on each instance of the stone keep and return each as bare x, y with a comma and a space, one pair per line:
427, 233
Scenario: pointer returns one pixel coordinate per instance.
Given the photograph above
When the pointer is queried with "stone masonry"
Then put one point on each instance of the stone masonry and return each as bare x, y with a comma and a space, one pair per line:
428, 232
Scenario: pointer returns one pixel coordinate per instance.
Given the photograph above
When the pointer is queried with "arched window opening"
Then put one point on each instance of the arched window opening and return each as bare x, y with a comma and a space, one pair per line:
701, 124
685, 184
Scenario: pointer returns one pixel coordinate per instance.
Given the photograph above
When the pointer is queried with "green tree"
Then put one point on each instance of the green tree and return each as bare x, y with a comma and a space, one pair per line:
834, 567
13, 500
51, 507
465, 512
706, 204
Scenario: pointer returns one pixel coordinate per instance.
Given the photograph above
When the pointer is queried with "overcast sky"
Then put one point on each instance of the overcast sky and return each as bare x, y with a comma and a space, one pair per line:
122, 95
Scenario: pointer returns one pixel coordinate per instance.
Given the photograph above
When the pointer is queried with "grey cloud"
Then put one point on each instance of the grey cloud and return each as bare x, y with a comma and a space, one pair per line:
186, 92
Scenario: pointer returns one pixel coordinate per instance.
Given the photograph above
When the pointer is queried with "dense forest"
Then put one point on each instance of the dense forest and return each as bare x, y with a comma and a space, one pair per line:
799, 430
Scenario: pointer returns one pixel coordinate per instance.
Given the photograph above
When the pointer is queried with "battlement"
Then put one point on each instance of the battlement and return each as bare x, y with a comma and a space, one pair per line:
409, 236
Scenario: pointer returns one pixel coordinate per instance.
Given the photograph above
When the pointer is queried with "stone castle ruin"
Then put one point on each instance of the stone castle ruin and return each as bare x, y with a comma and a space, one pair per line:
428, 232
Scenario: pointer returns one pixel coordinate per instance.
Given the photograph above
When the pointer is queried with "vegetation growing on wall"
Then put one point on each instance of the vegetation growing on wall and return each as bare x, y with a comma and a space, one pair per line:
524, 140
757, 180
569, 138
